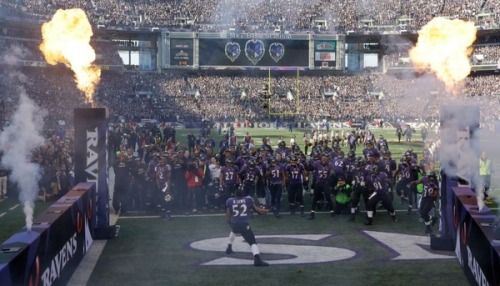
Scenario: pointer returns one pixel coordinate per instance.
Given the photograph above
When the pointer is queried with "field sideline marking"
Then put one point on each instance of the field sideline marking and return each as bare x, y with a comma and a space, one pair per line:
14, 207
2, 214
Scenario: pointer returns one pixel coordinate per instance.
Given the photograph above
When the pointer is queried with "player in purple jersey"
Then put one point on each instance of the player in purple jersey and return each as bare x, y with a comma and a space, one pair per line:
228, 179
409, 172
242, 159
351, 140
262, 187
283, 150
339, 167
382, 144
295, 175
377, 185
323, 172
350, 165
164, 187
403, 174
370, 149
388, 165
238, 213
429, 196
275, 174
359, 187
249, 175
335, 148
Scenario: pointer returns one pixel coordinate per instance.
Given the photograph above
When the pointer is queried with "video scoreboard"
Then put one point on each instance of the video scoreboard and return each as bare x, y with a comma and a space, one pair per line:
241, 51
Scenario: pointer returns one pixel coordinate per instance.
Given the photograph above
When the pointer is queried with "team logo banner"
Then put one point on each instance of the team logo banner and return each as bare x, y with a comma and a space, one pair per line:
276, 51
233, 51
253, 53
254, 50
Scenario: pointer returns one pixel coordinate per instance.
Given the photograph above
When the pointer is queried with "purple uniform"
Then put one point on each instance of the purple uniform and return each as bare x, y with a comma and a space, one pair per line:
284, 152
241, 209
230, 174
370, 152
249, 176
359, 177
322, 172
276, 174
430, 190
378, 183
241, 161
294, 173
340, 167
388, 166
405, 172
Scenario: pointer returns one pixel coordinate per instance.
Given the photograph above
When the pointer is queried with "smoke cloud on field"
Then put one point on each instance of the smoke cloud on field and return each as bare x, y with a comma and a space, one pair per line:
22, 136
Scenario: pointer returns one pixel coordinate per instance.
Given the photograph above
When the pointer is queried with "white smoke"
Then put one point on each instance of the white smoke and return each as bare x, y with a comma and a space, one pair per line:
20, 139
460, 143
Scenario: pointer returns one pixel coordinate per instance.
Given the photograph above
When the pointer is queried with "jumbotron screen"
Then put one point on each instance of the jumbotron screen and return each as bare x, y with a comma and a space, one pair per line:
253, 52
181, 52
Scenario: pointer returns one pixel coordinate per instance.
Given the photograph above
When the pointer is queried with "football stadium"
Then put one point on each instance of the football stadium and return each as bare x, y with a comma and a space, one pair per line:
278, 142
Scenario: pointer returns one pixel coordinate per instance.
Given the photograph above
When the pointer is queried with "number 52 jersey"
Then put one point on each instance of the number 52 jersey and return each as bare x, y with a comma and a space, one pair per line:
241, 209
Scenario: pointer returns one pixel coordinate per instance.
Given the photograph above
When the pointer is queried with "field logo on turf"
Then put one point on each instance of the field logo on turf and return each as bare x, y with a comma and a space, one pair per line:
308, 249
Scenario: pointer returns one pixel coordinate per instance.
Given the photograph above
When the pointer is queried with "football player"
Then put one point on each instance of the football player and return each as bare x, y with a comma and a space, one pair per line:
228, 179
249, 175
123, 173
322, 173
295, 175
358, 186
283, 150
275, 174
382, 143
404, 174
238, 213
388, 165
378, 192
429, 196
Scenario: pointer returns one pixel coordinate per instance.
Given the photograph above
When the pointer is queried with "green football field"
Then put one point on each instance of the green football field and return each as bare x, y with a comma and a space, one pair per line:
189, 249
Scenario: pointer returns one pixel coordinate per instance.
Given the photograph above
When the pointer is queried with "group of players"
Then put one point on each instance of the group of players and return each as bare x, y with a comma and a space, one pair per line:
336, 182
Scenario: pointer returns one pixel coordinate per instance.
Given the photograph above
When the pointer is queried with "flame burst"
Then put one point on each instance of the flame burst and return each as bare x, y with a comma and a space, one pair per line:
66, 39
443, 48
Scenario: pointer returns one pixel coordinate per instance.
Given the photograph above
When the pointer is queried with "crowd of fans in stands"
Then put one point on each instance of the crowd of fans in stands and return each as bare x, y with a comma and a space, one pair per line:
181, 98
292, 15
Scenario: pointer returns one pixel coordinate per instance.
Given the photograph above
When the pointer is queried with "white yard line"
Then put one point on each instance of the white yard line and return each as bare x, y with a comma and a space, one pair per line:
14, 207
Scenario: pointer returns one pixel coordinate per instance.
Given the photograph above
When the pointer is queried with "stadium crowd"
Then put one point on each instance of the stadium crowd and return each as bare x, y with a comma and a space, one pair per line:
181, 98
292, 15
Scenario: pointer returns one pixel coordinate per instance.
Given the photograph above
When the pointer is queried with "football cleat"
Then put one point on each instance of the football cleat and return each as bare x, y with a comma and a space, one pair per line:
229, 249
311, 216
428, 229
352, 217
258, 262
433, 221
368, 221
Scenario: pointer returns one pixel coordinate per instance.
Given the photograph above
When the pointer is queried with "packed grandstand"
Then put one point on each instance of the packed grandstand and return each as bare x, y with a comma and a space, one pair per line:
292, 15
170, 96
